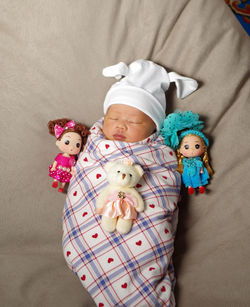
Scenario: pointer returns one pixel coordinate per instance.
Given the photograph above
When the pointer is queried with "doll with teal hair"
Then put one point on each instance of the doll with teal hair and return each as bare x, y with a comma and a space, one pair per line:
182, 132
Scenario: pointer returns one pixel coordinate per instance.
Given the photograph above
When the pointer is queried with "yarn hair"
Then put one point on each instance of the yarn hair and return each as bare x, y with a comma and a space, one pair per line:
81, 129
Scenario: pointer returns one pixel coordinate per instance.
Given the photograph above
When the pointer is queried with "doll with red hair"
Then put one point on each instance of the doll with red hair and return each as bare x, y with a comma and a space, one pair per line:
70, 138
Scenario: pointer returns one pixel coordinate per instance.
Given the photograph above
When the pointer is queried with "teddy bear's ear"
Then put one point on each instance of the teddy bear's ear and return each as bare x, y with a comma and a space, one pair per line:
108, 166
139, 169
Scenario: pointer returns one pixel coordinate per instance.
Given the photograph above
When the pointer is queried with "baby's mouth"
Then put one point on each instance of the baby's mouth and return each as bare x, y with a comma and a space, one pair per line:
119, 137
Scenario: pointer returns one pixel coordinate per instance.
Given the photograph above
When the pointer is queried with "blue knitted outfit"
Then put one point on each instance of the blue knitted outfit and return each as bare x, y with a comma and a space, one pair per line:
192, 177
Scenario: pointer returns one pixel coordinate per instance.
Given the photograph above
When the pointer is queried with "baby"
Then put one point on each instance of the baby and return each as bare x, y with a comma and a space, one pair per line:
133, 269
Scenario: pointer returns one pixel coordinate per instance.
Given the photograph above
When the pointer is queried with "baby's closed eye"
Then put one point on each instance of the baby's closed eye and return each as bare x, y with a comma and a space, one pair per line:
134, 122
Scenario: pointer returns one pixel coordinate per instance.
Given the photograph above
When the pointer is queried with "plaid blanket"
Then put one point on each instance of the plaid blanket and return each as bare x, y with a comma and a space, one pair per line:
124, 270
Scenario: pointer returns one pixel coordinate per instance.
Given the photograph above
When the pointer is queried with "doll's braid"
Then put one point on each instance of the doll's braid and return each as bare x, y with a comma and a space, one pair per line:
206, 163
179, 159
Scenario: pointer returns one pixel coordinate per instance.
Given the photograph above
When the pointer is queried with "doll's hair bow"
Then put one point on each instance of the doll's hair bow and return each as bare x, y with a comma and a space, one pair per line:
59, 130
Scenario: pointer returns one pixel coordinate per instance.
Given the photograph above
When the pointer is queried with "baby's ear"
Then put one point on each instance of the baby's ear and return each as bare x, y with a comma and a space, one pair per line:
139, 169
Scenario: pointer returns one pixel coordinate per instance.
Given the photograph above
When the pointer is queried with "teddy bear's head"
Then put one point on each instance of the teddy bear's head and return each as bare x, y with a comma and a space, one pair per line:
124, 174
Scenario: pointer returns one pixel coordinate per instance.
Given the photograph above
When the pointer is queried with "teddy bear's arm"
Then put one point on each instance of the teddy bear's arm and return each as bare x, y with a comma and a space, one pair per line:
102, 197
140, 205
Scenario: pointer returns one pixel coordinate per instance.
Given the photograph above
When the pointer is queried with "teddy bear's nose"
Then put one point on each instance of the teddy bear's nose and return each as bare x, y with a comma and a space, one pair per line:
123, 176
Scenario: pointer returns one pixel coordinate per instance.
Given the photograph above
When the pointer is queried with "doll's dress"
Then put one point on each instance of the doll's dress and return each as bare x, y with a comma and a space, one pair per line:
192, 177
63, 168
119, 205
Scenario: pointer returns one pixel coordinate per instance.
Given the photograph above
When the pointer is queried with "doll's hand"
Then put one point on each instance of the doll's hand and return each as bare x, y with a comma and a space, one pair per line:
73, 171
53, 168
202, 171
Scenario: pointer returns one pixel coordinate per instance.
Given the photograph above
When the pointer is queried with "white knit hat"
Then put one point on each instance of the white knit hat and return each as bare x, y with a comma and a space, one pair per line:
143, 87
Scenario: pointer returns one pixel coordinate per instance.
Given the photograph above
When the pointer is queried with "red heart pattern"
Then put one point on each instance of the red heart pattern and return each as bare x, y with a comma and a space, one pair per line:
84, 214
152, 206
139, 243
163, 289
101, 305
151, 269
107, 146
98, 176
68, 253
85, 159
75, 193
124, 286
110, 260
83, 277
95, 235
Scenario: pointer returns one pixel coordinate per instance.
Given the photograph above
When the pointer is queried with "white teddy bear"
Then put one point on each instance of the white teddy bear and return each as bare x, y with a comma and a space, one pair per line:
119, 202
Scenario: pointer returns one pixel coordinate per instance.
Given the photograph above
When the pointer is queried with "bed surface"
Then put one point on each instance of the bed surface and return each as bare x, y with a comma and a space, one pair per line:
51, 58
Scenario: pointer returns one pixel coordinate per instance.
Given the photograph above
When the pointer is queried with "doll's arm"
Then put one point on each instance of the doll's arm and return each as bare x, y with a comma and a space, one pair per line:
73, 171
54, 166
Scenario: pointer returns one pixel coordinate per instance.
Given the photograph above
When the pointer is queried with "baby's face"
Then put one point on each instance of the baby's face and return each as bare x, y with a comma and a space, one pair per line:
127, 124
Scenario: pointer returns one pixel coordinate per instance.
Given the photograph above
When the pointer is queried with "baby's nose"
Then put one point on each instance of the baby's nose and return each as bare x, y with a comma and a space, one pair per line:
121, 124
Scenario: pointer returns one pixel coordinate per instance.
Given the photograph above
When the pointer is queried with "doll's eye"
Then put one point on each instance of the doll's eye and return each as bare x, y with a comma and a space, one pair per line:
130, 175
78, 145
118, 172
197, 146
66, 142
186, 147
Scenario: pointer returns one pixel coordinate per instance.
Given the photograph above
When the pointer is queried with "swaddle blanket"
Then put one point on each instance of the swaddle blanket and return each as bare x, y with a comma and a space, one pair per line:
134, 269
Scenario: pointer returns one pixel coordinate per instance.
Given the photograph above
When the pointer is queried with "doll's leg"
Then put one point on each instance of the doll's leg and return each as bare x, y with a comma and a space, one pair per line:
61, 187
108, 223
202, 189
124, 226
190, 190
55, 184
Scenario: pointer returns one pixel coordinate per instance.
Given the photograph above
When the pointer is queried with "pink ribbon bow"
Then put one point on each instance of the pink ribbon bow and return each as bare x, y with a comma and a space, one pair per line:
59, 130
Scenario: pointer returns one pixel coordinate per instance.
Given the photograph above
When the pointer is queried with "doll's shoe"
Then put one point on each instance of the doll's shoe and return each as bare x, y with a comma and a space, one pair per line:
202, 189
60, 190
54, 184
190, 190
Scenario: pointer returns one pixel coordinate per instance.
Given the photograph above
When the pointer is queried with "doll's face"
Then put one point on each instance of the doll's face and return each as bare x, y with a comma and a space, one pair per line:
70, 143
127, 124
191, 146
